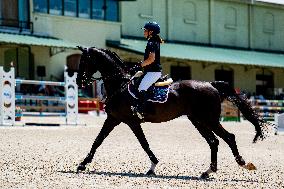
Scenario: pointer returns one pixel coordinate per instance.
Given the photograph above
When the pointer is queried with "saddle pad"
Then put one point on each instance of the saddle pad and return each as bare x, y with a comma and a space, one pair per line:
154, 94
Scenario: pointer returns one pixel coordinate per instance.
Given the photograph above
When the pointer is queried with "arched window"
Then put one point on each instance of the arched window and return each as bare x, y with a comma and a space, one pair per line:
225, 74
268, 23
189, 12
231, 18
180, 72
146, 10
73, 63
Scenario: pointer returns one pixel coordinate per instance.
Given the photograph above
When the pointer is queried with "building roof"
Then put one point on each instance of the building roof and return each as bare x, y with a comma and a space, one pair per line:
280, 2
206, 54
8, 38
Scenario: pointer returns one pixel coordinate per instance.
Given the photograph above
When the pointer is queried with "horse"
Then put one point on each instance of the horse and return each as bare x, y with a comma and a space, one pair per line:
200, 101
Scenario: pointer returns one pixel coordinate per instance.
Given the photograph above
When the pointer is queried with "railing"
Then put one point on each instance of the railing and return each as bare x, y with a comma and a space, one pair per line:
15, 23
265, 108
268, 108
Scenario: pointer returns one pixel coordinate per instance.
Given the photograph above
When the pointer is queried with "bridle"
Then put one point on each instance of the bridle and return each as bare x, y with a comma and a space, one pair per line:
121, 74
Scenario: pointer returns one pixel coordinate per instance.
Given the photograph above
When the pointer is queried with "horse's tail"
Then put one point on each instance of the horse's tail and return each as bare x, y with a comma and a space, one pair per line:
227, 92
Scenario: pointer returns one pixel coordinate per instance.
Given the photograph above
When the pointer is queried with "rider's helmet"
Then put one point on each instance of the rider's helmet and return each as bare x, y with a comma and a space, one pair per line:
152, 26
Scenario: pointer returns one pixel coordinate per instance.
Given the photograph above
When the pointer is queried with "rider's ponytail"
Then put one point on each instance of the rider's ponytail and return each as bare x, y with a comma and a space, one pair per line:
158, 38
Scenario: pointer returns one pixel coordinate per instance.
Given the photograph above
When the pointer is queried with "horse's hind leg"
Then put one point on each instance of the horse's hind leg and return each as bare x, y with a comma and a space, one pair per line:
108, 126
229, 138
213, 143
137, 130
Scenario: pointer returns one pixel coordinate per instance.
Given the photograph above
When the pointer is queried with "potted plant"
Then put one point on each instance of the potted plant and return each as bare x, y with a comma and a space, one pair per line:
18, 113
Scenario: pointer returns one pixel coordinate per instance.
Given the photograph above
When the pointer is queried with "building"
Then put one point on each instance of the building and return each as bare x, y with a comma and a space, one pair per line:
239, 41
40, 36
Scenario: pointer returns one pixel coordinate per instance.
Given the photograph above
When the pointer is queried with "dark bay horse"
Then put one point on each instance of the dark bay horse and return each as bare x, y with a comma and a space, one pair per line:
199, 101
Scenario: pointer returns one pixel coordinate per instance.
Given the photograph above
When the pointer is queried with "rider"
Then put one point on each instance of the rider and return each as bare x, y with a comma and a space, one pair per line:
151, 64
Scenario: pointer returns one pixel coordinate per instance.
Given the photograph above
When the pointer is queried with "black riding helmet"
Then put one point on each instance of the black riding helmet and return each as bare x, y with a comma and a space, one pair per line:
152, 26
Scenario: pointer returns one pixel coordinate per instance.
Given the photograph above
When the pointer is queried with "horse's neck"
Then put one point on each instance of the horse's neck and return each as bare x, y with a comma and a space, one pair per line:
113, 72
114, 86
115, 57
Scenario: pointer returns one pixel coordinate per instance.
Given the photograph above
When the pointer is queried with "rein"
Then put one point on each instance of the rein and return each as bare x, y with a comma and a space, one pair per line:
122, 74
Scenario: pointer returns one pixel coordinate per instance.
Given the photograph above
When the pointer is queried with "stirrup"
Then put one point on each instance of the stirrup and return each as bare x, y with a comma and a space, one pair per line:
140, 115
136, 112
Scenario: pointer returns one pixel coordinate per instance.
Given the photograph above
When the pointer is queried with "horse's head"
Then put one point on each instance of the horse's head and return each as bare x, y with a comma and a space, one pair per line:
87, 66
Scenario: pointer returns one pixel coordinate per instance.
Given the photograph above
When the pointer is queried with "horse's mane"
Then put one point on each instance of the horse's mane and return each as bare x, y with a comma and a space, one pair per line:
117, 61
114, 57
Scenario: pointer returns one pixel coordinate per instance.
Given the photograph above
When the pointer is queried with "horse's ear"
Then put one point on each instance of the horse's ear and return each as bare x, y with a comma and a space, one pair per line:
80, 48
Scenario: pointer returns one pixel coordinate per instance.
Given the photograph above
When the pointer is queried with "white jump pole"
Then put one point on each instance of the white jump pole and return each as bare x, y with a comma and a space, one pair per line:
7, 97
71, 94
279, 121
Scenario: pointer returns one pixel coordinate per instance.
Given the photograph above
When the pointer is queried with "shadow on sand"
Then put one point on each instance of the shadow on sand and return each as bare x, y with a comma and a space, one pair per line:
141, 175
137, 175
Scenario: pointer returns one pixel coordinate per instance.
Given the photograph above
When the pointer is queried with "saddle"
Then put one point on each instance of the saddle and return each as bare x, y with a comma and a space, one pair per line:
158, 92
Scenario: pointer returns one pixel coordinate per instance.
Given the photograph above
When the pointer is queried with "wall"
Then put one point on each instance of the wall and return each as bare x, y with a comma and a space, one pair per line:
230, 24
77, 30
84, 32
188, 21
54, 65
268, 28
135, 14
234, 23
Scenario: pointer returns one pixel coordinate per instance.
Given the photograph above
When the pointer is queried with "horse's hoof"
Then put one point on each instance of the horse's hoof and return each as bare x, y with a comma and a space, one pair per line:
81, 168
250, 167
204, 175
150, 173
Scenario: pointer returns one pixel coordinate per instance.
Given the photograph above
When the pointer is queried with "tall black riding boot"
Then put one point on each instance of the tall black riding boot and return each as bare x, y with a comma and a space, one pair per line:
141, 104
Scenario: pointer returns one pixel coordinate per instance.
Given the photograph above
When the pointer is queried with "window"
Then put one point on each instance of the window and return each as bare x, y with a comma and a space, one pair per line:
10, 17
84, 9
24, 13
22, 59
70, 8
16, 15
92, 9
225, 75
231, 18
268, 23
264, 83
105, 10
40, 6
189, 13
55, 7
112, 10
98, 10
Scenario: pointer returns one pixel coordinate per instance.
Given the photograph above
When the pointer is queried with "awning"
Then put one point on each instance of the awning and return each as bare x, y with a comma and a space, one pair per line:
206, 54
6, 38
280, 2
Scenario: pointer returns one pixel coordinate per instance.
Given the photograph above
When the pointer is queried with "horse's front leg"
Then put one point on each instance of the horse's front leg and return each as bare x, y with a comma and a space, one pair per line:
108, 126
137, 130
